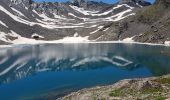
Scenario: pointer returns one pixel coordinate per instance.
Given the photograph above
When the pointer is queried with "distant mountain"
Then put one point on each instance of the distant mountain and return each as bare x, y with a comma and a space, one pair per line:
25, 20
138, 2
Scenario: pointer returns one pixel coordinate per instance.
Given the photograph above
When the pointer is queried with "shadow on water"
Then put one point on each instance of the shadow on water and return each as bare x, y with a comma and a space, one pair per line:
56, 69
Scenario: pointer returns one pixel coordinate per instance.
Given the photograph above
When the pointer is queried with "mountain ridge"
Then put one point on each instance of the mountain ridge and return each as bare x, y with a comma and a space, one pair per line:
27, 20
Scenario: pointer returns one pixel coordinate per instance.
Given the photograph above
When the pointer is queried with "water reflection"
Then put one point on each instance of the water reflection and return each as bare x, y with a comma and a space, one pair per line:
19, 62
70, 67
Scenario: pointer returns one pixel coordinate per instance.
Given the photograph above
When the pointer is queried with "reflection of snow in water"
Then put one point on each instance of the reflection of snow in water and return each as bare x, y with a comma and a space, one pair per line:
42, 57
21, 61
124, 61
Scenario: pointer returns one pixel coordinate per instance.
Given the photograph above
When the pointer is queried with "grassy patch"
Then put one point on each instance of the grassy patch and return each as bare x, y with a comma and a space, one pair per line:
103, 99
116, 93
151, 90
146, 33
163, 80
160, 98
94, 98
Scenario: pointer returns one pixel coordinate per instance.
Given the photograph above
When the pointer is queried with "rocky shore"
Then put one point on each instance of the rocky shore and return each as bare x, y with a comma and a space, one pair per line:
154, 88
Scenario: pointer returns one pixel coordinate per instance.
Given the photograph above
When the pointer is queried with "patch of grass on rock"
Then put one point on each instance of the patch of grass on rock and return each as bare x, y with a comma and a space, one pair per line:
160, 98
151, 90
116, 93
163, 80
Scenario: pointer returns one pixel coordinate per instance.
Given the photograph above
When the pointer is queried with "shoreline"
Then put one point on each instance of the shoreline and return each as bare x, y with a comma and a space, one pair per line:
152, 88
82, 42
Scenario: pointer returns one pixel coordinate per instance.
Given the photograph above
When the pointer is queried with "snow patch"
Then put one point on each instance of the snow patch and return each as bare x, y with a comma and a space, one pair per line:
74, 39
36, 35
99, 28
3, 37
107, 12
128, 39
20, 13
76, 34
35, 12
106, 29
59, 17
14, 34
16, 18
120, 16
96, 13
71, 14
82, 10
2, 23
167, 43
139, 5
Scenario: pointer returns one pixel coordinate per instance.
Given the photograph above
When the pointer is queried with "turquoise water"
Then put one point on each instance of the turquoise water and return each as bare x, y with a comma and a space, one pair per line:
49, 71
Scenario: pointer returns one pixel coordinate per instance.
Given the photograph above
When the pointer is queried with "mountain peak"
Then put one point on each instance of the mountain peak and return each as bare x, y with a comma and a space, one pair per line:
140, 2
127, 1
78, 2
22, 1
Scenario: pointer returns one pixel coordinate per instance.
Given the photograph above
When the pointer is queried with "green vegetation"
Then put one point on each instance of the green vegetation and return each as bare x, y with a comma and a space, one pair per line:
103, 99
151, 90
94, 98
116, 93
160, 98
163, 80
122, 92
157, 89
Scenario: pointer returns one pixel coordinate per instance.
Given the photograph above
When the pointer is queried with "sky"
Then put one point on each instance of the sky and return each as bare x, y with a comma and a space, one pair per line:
106, 1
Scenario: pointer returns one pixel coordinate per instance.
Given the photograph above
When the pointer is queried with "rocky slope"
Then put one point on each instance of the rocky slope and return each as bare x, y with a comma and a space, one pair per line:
24, 21
155, 88
157, 17
150, 24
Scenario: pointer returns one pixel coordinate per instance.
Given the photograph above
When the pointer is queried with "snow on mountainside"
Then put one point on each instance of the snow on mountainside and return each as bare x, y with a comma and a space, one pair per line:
20, 20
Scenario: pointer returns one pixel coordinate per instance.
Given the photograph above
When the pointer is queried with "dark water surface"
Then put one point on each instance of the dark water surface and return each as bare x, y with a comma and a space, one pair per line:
50, 71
